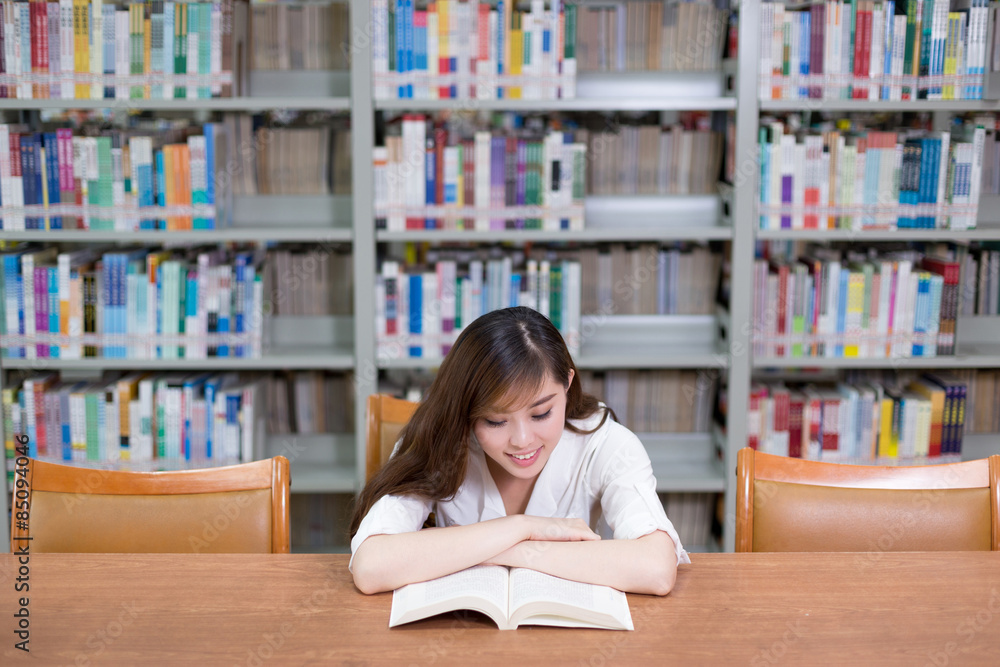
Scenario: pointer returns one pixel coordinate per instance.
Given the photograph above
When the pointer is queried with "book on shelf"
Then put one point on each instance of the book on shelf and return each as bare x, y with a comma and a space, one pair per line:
438, 175
308, 154
877, 50
299, 37
419, 312
513, 597
80, 49
869, 180
863, 419
618, 36
139, 419
655, 401
118, 181
473, 50
191, 303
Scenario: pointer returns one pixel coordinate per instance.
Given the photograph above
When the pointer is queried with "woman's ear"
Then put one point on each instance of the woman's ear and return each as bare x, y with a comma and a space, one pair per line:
569, 381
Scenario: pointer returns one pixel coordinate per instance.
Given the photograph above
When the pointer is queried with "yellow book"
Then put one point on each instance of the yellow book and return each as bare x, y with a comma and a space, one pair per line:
855, 311
517, 59
443, 27
935, 394
147, 51
885, 432
81, 46
951, 55
7, 397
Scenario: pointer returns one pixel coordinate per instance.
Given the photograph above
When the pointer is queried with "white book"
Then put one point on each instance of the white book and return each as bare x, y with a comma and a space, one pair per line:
66, 50
975, 174
431, 91
514, 597
482, 175
96, 48
215, 50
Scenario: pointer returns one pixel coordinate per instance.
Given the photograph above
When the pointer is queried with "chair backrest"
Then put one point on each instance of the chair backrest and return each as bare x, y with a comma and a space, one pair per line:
232, 509
387, 416
788, 504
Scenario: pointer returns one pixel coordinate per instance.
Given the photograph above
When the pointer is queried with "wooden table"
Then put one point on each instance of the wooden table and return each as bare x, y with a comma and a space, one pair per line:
756, 609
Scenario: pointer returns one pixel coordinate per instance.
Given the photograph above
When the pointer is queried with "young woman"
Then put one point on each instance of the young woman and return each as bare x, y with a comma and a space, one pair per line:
520, 468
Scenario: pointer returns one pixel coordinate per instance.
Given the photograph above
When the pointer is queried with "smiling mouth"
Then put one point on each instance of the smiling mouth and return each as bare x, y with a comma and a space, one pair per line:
525, 459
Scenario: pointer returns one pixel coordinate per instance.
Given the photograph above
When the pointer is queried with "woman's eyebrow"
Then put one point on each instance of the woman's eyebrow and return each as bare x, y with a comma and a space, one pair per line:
540, 401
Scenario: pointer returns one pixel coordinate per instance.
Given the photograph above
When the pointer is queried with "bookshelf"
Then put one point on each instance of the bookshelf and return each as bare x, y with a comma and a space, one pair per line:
718, 345
975, 337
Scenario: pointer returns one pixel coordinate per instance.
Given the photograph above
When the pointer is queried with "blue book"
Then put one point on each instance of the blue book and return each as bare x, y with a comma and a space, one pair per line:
192, 389
924, 185
921, 313
408, 51
430, 180
805, 28
401, 44
54, 315
64, 428
240, 312
39, 176
108, 42
28, 179
501, 50
416, 299
191, 296
161, 187
52, 175
223, 326
932, 220
234, 398
13, 300
890, 30
210, 131
841, 312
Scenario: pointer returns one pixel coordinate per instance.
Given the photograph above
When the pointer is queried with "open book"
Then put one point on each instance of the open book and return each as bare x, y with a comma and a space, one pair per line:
513, 597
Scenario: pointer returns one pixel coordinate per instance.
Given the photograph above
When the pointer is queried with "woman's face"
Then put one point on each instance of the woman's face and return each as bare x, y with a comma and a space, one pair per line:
522, 440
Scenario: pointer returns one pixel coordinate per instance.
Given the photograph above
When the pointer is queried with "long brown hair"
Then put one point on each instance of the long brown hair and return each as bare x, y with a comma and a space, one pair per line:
498, 359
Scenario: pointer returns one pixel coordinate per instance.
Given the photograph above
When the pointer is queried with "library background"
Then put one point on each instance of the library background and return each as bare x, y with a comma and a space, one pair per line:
225, 224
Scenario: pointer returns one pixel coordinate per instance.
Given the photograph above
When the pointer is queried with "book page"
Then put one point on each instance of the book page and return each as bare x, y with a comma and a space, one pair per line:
541, 599
481, 588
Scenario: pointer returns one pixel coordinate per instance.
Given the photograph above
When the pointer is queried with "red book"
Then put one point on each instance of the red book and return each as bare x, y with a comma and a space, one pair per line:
951, 273
42, 28
831, 422
758, 393
796, 406
440, 143
782, 271
469, 178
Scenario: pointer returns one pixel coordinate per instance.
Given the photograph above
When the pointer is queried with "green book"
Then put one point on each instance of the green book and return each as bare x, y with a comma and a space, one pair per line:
180, 46
569, 36
205, 46
90, 402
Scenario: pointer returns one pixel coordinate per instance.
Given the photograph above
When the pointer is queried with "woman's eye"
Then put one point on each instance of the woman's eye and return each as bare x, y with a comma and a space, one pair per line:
543, 417
493, 424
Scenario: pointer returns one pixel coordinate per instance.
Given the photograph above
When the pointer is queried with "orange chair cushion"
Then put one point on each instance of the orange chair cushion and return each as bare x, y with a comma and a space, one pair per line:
803, 517
225, 522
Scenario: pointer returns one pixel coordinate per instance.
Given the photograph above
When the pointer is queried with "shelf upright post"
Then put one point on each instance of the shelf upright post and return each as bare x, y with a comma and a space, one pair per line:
5, 502
363, 225
741, 283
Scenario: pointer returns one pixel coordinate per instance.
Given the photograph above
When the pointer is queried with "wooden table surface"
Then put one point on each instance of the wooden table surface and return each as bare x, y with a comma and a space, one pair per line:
751, 609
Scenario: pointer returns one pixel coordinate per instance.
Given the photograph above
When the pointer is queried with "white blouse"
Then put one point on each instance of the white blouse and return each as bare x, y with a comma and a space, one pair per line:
604, 478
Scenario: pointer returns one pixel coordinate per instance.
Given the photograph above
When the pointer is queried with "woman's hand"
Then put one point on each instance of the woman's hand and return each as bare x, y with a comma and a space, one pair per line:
544, 529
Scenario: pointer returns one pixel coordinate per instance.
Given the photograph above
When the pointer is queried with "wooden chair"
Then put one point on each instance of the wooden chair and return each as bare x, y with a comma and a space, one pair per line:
387, 416
232, 509
787, 504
